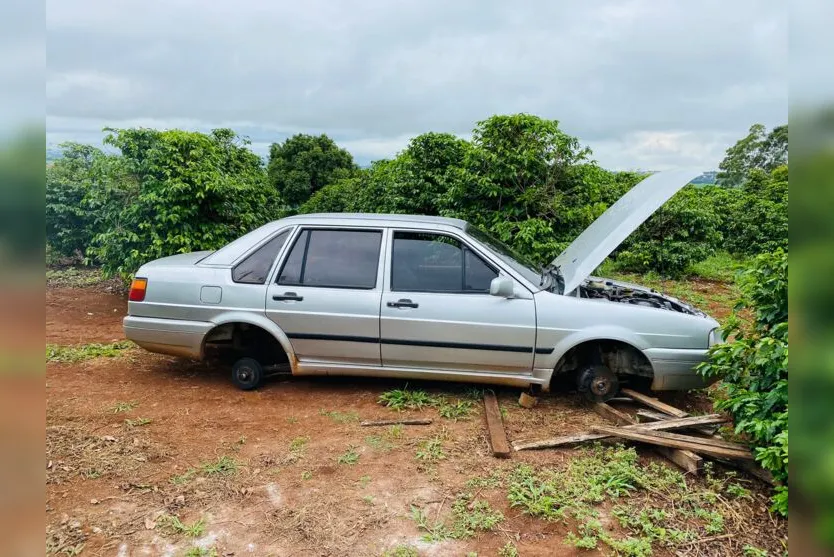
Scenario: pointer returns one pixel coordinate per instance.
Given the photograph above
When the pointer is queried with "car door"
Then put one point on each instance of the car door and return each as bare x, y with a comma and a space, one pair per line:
437, 312
326, 295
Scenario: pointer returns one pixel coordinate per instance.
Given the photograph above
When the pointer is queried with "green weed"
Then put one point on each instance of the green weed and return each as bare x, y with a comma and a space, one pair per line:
509, 550
224, 465
457, 410
379, 443
173, 525
430, 450
403, 399
350, 457
306, 475
184, 478
401, 551
298, 444
79, 353
137, 422
197, 551
123, 406
396, 431
468, 517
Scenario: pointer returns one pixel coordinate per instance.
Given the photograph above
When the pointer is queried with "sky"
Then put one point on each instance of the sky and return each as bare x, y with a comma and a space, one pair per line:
646, 84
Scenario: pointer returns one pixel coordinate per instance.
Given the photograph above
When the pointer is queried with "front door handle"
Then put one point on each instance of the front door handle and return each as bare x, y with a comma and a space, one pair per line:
402, 303
287, 296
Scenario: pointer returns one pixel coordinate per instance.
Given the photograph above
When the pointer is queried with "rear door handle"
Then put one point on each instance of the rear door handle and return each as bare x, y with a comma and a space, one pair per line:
402, 303
287, 296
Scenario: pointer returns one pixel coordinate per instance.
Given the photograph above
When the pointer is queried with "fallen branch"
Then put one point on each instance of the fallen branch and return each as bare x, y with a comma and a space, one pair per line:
706, 540
675, 423
395, 422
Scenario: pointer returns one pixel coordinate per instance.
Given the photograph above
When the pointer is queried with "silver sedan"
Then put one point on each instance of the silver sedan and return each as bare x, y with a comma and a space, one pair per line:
421, 297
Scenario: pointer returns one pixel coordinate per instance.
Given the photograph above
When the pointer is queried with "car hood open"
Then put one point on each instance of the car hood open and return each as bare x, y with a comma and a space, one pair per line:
597, 241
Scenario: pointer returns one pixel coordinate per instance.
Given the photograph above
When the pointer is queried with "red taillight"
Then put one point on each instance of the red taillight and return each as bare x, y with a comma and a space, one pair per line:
137, 289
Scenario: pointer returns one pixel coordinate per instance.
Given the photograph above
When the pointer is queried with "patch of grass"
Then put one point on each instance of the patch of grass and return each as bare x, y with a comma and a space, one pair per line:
172, 524
379, 443
364, 481
404, 399
184, 478
138, 422
430, 450
458, 410
298, 444
197, 551
225, 465
468, 517
613, 475
79, 353
721, 267
74, 277
753, 551
350, 457
368, 499
396, 431
306, 475
509, 550
123, 406
738, 491
292, 420
401, 551
494, 480
340, 417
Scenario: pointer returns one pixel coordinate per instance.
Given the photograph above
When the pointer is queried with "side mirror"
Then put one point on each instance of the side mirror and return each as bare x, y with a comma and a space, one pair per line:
501, 286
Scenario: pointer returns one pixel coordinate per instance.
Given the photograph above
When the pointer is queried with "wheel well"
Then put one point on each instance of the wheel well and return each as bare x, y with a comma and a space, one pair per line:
620, 357
237, 340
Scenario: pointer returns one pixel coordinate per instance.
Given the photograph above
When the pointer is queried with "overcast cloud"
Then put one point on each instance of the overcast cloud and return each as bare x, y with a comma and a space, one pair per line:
645, 83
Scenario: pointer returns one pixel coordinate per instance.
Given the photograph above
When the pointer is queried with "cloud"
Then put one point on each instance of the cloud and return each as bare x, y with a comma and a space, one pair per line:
373, 73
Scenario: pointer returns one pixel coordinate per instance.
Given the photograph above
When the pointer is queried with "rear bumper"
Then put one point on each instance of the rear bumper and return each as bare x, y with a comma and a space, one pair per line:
167, 336
674, 369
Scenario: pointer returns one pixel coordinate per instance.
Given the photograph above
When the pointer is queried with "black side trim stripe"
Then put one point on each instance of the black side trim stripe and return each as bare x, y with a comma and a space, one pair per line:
342, 338
426, 343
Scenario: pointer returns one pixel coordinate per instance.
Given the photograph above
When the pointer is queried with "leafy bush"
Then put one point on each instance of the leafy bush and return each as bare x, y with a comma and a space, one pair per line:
757, 216
754, 369
682, 232
175, 192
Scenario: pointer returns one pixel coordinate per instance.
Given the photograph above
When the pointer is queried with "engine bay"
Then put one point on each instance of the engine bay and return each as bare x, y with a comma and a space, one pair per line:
613, 291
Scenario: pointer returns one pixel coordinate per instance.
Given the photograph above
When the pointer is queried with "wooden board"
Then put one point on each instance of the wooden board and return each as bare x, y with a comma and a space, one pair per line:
395, 422
674, 423
652, 402
495, 425
687, 460
697, 444
644, 415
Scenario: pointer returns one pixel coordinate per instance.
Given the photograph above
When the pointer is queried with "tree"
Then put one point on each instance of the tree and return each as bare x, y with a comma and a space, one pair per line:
304, 164
757, 218
176, 192
69, 216
759, 149
685, 230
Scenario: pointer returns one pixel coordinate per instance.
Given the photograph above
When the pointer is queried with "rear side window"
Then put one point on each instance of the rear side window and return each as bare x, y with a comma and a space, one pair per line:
255, 268
427, 262
333, 258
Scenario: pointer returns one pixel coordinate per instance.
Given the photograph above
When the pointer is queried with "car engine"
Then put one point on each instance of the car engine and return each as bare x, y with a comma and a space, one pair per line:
599, 288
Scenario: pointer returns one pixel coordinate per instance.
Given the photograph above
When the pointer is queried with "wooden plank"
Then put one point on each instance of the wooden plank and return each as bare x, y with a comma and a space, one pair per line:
495, 425
644, 415
697, 444
652, 402
708, 441
610, 413
675, 423
687, 460
395, 422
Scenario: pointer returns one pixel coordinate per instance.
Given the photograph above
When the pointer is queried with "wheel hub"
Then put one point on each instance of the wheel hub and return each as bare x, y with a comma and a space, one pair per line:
600, 386
244, 374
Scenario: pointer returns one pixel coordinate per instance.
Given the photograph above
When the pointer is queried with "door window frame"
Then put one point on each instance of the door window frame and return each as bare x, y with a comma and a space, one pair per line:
464, 245
290, 245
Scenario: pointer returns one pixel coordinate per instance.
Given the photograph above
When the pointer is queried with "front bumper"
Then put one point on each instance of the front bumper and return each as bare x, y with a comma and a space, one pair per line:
174, 337
674, 369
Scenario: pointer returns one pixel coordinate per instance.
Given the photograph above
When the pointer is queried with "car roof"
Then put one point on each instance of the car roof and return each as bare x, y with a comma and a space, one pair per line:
380, 219
233, 251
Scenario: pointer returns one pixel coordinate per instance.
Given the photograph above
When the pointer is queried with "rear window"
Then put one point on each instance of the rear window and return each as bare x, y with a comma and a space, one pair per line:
255, 268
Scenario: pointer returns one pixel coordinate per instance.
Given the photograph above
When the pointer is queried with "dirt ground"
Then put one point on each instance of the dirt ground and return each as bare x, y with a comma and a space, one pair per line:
111, 475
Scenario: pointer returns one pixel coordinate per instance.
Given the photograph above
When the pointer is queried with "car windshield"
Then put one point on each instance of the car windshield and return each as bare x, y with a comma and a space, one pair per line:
518, 262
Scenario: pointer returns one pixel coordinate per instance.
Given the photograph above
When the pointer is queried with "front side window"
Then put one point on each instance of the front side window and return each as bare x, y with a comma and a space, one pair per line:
333, 258
255, 268
427, 262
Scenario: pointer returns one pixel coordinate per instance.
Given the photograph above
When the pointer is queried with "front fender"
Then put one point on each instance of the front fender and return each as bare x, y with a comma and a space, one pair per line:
264, 323
602, 332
